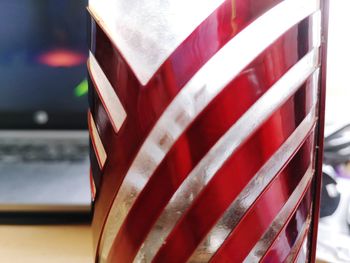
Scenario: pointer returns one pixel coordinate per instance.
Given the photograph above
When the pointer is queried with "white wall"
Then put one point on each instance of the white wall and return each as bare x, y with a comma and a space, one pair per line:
338, 83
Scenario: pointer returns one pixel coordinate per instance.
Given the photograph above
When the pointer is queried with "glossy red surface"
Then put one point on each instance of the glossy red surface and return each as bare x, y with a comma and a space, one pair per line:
210, 126
220, 193
144, 105
281, 248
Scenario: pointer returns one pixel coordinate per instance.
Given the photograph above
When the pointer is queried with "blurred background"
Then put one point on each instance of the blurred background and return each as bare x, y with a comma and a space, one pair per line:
44, 48
45, 197
44, 162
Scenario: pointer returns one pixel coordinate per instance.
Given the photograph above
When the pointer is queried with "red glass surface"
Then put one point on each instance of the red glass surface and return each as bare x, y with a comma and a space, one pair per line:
217, 196
191, 148
144, 105
282, 247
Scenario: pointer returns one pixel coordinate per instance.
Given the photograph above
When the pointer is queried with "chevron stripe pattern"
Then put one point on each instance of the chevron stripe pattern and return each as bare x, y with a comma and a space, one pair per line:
203, 121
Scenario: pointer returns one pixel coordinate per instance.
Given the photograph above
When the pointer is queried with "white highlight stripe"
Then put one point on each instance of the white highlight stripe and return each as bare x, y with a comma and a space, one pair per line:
105, 91
96, 142
303, 252
269, 236
210, 80
224, 148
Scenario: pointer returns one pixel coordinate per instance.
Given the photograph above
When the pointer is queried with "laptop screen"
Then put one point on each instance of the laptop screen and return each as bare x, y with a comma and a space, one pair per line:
43, 52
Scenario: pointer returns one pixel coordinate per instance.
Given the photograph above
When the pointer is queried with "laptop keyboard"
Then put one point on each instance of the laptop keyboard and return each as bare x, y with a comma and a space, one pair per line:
49, 152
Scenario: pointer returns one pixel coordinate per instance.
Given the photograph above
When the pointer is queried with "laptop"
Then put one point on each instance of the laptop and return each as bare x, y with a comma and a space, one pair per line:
44, 164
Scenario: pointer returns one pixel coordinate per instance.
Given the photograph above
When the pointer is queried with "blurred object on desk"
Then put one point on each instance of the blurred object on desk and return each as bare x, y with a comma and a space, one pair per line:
334, 236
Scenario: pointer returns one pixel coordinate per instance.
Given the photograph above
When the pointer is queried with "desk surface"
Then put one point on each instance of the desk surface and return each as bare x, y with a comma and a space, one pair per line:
69, 244
47, 244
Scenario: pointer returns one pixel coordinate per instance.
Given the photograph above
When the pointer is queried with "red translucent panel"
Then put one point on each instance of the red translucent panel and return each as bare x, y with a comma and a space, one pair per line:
218, 195
291, 232
144, 105
223, 112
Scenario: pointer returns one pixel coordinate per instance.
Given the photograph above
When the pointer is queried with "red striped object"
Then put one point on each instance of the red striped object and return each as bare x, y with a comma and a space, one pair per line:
206, 123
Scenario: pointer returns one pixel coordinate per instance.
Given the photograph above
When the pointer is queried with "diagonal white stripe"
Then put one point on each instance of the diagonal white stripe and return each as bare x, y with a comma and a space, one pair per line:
269, 236
99, 149
299, 242
224, 148
105, 91
211, 79
303, 252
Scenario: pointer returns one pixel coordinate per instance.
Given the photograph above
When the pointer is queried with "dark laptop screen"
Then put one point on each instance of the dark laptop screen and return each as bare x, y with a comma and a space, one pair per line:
43, 52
